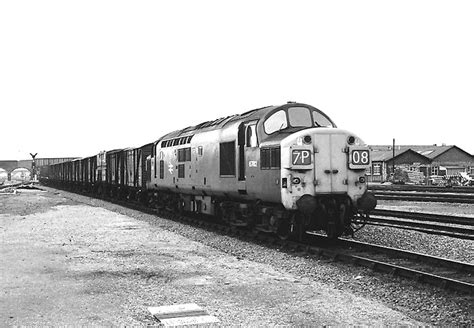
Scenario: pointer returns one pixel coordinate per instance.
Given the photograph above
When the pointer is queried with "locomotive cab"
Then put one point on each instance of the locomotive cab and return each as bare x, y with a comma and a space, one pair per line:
323, 168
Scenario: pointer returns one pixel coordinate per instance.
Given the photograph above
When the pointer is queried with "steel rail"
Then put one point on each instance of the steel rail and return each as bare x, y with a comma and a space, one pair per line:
454, 232
454, 189
454, 275
440, 198
405, 272
439, 261
453, 219
427, 194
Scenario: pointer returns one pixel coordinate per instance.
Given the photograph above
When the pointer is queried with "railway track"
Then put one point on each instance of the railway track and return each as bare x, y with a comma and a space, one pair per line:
422, 188
443, 273
446, 225
446, 197
13, 185
452, 219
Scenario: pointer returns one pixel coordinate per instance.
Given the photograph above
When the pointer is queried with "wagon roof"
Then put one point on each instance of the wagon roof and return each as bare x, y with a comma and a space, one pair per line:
114, 150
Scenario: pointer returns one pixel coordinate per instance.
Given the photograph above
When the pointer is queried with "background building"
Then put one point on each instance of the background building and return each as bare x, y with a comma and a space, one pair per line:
419, 162
22, 170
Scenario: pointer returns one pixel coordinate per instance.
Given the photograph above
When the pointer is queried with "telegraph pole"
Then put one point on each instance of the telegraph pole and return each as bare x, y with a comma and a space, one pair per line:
393, 158
33, 166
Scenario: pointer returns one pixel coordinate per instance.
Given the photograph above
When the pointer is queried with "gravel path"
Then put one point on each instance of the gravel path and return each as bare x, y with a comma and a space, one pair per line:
105, 264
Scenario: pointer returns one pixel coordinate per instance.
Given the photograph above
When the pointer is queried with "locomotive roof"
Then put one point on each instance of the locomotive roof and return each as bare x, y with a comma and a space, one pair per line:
219, 123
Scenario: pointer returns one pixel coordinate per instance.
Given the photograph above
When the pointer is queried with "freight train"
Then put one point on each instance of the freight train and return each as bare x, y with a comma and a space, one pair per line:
278, 169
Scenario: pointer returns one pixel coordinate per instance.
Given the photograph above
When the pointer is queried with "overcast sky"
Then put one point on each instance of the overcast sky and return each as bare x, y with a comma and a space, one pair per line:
77, 77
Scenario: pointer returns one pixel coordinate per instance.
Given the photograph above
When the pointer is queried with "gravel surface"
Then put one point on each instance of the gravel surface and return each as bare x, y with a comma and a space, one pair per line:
130, 260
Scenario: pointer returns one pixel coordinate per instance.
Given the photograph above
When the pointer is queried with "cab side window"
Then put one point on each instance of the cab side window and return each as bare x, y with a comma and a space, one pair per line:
276, 122
162, 166
321, 120
251, 136
227, 158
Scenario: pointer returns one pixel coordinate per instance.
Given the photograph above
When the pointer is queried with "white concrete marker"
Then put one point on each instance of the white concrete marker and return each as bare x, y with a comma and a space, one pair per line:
181, 315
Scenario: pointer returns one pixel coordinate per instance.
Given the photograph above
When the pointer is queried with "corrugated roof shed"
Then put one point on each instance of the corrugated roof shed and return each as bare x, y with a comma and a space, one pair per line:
407, 154
384, 155
430, 151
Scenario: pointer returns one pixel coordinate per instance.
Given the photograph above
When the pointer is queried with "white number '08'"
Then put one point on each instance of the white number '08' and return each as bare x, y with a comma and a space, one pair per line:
360, 157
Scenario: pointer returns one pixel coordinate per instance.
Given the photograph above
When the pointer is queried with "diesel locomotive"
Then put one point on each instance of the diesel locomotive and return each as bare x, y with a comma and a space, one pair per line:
278, 169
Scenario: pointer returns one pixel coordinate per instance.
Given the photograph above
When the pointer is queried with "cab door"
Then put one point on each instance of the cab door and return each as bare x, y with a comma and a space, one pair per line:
247, 153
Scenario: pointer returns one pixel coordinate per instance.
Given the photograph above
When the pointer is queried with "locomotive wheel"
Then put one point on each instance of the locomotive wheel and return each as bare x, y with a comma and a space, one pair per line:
299, 231
293, 228
284, 229
180, 207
